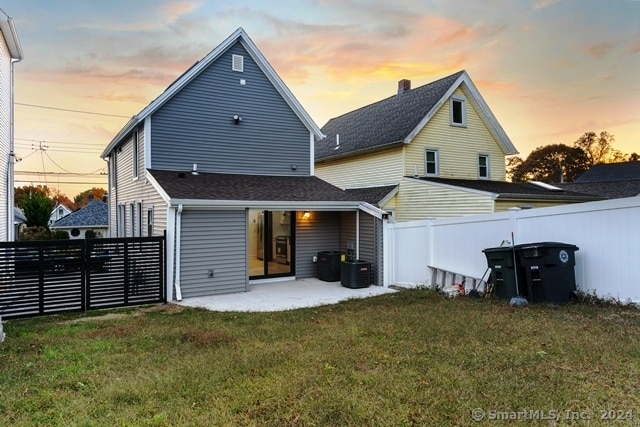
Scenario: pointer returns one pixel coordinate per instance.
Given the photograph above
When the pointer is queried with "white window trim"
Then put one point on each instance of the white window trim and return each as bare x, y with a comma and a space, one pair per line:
437, 161
488, 166
150, 221
462, 100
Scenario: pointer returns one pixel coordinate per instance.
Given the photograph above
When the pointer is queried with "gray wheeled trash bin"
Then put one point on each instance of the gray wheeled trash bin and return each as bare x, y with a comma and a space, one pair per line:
503, 270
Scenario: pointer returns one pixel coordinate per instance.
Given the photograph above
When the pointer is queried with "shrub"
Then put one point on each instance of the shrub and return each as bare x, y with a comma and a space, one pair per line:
89, 234
35, 232
59, 235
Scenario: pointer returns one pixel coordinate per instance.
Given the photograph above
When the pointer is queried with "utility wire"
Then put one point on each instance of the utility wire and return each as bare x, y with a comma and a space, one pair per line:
71, 111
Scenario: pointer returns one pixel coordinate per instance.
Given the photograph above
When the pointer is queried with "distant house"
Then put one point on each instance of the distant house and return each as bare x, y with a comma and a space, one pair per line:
10, 53
432, 151
58, 212
609, 180
19, 220
222, 161
94, 217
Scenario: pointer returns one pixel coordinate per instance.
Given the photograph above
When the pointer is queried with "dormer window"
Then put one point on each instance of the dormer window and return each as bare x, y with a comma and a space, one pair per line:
458, 111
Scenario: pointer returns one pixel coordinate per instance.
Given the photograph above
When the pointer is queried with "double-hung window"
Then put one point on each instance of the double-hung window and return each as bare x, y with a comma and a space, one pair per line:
431, 167
458, 111
483, 166
134, 153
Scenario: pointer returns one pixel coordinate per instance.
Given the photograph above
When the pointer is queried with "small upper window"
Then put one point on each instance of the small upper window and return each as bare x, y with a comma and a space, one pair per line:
237, 63
135, 153
458, 112
431, 162
483, 166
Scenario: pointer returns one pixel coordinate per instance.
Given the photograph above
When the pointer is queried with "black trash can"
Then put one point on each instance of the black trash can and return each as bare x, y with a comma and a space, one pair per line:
504, 272
356, 274
329, 265
549, 269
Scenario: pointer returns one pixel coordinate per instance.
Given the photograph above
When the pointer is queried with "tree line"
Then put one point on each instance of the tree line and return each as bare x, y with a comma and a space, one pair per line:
37, 203
557, 163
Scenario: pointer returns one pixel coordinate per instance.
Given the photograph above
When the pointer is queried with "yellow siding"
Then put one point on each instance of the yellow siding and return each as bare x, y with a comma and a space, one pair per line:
381, 168
458, 147
420, 200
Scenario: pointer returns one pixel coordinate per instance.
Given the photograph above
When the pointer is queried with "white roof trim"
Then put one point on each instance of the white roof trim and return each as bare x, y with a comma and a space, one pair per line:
471, 91
163, 194
271, 205
372, 210
10, 34
178, 85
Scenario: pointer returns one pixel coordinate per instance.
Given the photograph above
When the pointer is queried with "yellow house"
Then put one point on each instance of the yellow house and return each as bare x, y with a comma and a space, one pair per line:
429, 152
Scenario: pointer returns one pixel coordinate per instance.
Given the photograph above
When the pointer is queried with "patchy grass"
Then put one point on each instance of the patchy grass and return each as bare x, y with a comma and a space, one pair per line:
409, 358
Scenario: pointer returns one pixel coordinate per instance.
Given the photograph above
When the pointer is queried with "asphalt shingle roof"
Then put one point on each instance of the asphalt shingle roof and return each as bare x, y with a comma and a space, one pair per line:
611, 172
218, 186
371, 195
514, 189
95, 214
607, 189
383, 123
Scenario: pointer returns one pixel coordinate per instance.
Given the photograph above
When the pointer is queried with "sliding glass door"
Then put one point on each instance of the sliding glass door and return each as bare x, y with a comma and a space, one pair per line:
270, 252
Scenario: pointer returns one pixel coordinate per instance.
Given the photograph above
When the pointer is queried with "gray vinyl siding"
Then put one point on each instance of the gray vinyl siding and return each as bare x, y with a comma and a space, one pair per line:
348, 231
213, 240
321, 232
370, 247
198, 124
131, 190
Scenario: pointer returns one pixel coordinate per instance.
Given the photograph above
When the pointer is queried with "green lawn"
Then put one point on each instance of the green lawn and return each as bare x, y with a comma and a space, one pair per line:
409, 358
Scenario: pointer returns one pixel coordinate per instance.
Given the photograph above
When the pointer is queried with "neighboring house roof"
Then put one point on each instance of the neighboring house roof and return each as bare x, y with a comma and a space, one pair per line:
238, 35
18, 216
610, 180
377, 196
224, 188
95, 214
611, 172
513, 190
10, 34
398, 119
58, 205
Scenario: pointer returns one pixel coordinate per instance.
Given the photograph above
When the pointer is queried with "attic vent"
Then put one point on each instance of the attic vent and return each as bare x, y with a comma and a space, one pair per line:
237, 63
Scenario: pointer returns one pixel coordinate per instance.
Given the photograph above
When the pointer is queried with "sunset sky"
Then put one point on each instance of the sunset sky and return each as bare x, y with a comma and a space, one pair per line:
550, 70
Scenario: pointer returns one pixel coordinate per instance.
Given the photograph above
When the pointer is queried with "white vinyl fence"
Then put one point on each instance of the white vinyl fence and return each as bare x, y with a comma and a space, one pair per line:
607, 234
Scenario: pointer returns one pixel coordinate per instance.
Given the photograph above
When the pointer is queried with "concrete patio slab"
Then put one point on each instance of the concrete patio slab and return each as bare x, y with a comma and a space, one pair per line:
285, 295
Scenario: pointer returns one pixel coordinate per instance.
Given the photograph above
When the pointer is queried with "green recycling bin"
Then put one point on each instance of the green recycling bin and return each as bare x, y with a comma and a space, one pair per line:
505, 270
549, 270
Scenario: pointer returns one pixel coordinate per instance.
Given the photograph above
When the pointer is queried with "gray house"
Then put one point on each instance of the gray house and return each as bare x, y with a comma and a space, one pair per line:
223, 162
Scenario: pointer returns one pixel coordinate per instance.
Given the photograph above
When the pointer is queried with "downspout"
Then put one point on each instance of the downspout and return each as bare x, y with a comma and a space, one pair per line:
178, 232
357, 235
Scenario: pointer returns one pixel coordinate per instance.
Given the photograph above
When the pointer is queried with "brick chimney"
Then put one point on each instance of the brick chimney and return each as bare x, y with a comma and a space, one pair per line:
404, 85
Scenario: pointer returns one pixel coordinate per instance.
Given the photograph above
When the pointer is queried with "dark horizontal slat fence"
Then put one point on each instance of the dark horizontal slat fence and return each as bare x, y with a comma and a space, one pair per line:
48, 277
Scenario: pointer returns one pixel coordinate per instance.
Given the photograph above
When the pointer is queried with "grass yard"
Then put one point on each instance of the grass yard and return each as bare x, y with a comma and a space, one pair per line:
409, 358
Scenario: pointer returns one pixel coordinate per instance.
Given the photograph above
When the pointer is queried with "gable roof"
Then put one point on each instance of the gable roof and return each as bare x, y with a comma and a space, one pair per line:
605, 189
95, 214
612, 172
238, 36
502, 190
398, 119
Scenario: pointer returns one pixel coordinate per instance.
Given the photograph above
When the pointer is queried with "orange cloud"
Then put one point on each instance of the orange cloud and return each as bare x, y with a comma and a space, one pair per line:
599, 50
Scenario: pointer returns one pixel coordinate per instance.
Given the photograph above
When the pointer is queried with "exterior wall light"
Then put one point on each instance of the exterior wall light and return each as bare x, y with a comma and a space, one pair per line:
306, 215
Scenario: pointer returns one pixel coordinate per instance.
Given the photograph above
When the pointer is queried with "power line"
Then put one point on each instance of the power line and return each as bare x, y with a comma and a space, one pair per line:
60, 142
71, 111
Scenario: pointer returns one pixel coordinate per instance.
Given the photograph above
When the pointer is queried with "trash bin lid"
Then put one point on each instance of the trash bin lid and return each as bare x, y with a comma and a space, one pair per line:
546, 245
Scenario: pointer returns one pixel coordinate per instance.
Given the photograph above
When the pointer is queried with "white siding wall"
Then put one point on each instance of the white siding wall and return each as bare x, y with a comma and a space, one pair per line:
6, 181
458, 147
